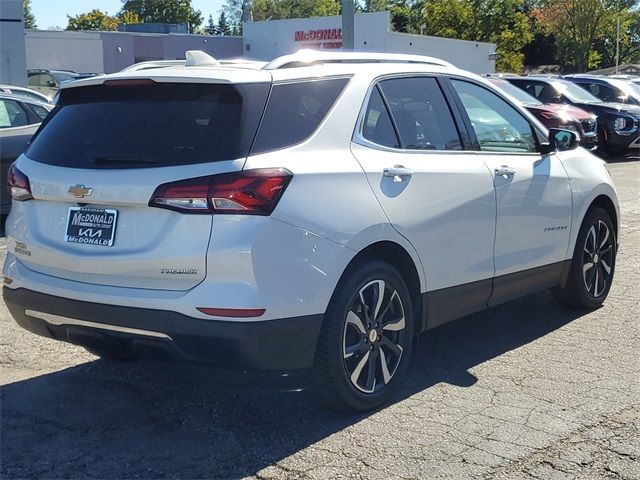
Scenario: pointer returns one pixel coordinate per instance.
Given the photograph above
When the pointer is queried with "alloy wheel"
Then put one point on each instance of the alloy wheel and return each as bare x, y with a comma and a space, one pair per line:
373, 334
597, 259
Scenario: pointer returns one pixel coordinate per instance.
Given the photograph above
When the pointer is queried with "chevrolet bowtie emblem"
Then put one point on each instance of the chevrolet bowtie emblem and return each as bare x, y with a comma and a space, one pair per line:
80, 191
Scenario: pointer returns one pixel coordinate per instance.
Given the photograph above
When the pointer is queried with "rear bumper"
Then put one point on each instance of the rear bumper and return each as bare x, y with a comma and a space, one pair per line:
277, 345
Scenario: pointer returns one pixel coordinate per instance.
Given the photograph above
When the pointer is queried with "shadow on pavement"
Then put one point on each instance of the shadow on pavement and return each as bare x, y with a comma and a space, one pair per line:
149, 420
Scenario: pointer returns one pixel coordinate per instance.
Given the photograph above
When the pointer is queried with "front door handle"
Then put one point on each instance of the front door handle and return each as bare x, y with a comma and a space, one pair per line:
398, 173
505, 171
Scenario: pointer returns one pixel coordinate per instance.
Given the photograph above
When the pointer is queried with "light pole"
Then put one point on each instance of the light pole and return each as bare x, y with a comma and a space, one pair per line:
618, 43
347, 24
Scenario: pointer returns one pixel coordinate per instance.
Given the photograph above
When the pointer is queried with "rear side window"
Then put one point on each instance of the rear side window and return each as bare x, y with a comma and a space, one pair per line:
12, 114
294, 112
421, 114
150, 125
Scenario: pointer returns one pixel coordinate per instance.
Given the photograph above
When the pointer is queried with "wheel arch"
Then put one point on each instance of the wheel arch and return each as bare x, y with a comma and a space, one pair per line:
398, 257
604, 202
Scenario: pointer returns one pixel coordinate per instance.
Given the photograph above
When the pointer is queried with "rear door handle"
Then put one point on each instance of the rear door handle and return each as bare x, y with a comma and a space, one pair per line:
505, 171
398, 173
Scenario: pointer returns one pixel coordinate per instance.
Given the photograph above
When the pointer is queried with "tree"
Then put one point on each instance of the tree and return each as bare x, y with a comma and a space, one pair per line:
128, 17
576, 25
210, 29
405, 14
234, 11
93, 20
502, 22
29, 18
164, 11
605, 46
280, 9
223, 27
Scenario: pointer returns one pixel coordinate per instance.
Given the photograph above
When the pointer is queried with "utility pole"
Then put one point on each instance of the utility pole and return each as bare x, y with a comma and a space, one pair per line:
618, 44
347, 25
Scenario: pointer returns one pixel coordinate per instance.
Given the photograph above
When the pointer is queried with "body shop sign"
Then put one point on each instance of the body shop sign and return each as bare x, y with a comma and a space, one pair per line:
326, 38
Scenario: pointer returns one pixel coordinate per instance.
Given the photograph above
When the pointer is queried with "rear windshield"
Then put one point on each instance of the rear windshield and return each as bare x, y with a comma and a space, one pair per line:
150, 125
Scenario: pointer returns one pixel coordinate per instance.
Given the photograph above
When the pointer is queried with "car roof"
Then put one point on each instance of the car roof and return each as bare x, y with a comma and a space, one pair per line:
201, 68
23, 99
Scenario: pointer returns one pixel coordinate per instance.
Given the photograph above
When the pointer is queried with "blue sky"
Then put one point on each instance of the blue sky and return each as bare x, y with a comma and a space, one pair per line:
51, 13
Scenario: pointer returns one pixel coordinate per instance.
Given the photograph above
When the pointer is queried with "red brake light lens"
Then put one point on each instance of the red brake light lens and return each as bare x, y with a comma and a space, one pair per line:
18, 184
248, 192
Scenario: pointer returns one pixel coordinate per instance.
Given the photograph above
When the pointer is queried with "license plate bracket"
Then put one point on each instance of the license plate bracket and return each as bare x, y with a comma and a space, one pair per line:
91, 226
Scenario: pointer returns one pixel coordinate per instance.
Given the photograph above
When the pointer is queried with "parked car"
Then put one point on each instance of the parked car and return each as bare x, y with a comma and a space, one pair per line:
554, 115
607, 89
317, 213
25, 92
20, 117
618, 123
48, 82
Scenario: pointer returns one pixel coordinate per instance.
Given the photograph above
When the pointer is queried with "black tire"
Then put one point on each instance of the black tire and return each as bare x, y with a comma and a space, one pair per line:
593, 263
344, 345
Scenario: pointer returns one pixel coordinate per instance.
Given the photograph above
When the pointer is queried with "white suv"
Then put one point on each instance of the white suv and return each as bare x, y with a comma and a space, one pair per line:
314, 213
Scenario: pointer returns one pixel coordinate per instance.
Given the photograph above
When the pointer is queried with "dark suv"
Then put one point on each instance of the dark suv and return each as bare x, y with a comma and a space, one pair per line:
608, 89
618, 123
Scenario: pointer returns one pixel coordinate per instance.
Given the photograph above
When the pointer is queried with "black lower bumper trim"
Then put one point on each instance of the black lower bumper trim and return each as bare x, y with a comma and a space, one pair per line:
283, 344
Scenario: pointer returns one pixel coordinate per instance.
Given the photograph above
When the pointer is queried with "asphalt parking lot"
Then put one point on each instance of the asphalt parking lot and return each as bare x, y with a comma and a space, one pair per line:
527, 390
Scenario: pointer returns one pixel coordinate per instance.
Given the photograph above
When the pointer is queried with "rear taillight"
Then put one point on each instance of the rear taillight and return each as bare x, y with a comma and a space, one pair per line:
249, 192
18, 184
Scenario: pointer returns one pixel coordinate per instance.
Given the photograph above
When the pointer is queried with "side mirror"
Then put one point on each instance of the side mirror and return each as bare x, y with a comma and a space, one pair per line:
560, 141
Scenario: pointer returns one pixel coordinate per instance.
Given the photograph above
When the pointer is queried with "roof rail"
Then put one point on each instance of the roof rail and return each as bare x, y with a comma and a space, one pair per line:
307, 57
231, 62
152, 64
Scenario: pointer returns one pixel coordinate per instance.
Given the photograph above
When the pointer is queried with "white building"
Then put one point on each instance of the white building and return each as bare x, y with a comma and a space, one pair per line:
269, 39
13, 68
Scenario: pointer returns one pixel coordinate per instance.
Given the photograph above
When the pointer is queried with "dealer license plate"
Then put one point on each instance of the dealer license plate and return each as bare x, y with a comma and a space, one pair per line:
91, 226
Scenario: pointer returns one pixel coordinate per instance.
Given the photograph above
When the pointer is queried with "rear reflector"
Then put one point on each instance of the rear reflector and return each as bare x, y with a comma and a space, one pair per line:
248, 192
18, 184
232, 312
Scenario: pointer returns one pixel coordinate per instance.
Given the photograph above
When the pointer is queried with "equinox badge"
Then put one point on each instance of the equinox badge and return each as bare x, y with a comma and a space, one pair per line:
80, 191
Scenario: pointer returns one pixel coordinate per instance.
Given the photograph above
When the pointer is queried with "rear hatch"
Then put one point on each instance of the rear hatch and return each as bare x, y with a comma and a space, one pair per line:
96, 163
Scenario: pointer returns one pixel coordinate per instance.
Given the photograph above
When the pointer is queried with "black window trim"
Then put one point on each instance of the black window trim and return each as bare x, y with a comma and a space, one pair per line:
346, 77
537, 133
358, 133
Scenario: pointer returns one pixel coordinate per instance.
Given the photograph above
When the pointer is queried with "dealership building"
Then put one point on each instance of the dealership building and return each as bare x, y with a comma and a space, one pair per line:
106, 52
372, 33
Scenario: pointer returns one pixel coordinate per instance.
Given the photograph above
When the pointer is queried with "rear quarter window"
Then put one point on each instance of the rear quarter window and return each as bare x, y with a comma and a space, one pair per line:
294, 111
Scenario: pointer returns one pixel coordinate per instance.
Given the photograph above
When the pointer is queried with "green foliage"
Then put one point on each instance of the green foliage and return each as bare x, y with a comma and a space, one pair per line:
279, 9
629, 39
223, 27
210, 29
29, 19
164, 11
502, 22
93, 20
234, 11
